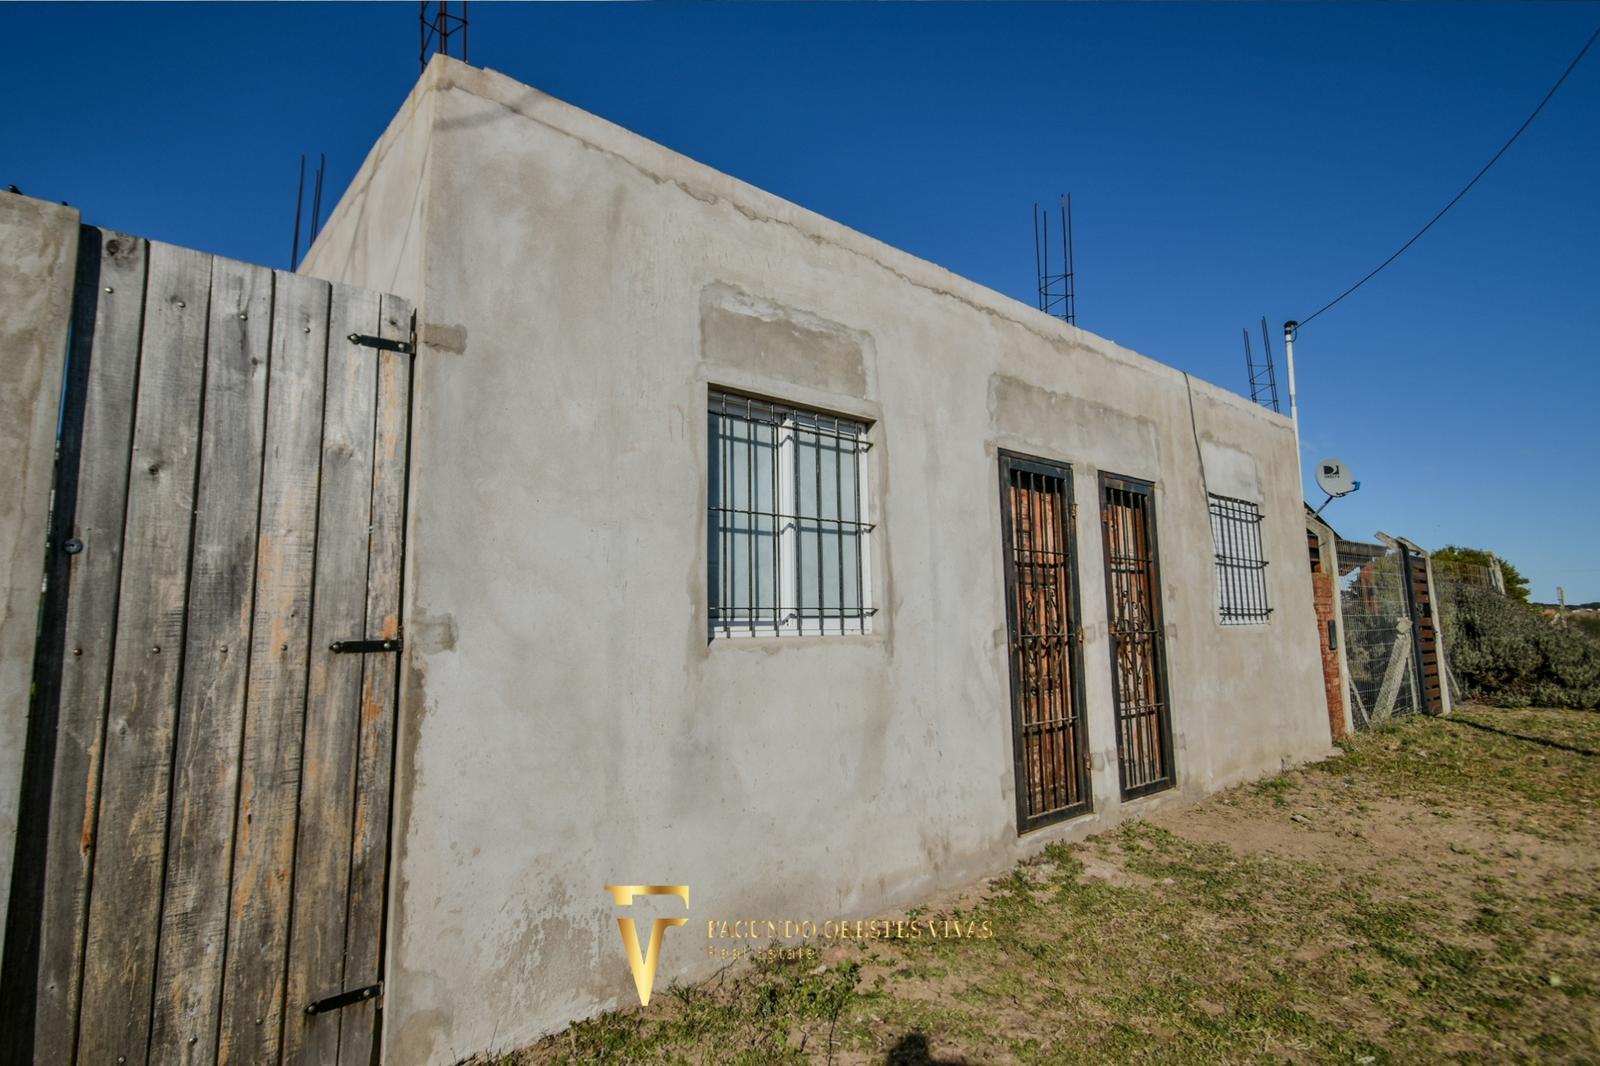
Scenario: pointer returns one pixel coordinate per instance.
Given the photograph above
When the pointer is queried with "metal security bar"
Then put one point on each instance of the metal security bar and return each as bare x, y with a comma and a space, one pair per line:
788, 540
1241, 570
1045, 641
1138, 650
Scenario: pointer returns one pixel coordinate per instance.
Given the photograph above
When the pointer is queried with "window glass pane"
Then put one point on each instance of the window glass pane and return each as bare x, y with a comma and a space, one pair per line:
809, 546
850, 537
744, 522
827, 493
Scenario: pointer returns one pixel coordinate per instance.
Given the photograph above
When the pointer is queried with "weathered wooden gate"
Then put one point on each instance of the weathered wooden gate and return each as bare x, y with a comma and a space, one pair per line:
206, 798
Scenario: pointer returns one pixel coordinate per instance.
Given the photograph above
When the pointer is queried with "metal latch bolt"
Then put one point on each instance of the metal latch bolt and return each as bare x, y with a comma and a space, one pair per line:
357, 647
382, 343
345, 999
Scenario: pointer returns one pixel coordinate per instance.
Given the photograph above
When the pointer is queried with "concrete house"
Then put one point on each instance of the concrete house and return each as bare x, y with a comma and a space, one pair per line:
749, 553
688, 539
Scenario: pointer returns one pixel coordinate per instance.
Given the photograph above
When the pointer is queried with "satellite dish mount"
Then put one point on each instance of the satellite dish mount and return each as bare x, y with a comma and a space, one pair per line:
1334, 478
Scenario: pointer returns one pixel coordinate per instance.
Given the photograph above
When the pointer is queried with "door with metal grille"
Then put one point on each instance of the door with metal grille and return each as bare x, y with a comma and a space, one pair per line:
1045, 641
207, 790
1138, 648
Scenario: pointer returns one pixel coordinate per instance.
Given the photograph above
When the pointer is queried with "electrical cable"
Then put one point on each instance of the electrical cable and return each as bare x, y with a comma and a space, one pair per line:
1526, 123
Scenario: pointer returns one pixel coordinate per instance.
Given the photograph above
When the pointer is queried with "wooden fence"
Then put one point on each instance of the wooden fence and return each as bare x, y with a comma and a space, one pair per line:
205, 810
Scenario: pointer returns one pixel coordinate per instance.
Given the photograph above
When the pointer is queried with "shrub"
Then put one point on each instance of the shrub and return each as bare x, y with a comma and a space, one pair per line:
1506, 652
1588, 623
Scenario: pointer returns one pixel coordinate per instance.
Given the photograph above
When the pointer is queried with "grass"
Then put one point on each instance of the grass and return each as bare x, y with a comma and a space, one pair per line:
1431, 894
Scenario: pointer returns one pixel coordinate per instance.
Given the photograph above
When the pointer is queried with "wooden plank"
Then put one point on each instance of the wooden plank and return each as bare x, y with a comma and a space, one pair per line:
216, 653
125, 899
333, 701
38, 275
363, 955
269, 767
96, 438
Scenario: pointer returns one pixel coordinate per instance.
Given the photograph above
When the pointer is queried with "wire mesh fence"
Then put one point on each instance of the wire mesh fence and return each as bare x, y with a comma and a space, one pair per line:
1450, 572
1379, 645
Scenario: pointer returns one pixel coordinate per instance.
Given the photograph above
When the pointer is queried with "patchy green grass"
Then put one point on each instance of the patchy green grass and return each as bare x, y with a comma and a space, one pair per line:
1431, 894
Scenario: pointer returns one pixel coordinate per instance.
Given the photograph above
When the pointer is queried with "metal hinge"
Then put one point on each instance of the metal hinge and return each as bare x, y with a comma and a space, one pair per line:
357, 647
382, 343
345, 999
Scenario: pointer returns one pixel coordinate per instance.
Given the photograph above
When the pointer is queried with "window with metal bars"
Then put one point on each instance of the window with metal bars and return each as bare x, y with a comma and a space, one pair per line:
1241, 569
787, 530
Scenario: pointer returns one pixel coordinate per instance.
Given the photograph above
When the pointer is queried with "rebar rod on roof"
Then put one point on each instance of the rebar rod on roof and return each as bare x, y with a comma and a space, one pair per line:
437, 29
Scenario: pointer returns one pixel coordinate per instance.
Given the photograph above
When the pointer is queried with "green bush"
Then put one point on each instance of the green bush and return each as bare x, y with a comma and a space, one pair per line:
1588, 624
1506, 652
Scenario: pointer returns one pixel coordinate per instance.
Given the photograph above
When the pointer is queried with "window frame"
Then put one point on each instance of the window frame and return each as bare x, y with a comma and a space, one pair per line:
788, 617
1241, 578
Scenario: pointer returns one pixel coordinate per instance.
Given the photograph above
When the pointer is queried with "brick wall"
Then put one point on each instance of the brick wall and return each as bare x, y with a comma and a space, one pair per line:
1322, 590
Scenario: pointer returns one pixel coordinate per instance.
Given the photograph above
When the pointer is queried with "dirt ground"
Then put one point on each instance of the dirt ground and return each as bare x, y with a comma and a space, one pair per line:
1430, 894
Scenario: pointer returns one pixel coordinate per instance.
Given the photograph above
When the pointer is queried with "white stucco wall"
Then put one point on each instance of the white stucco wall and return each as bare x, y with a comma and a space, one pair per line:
565, 723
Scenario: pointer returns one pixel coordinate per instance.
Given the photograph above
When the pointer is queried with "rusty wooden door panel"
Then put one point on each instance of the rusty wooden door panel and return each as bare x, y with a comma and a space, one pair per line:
208, 782
1044, 641
1138, 643
1420, 601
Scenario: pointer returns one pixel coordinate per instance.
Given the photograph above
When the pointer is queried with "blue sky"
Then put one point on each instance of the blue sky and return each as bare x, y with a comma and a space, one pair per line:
1226, 162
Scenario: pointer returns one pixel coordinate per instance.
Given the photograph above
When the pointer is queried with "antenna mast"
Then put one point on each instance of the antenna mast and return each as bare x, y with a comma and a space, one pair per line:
1057, 292
1263, 377
437, 28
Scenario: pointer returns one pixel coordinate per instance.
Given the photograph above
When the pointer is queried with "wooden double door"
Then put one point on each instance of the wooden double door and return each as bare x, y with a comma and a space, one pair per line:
203, 855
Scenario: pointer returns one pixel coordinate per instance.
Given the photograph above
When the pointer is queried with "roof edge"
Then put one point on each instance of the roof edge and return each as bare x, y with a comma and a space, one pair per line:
663, 164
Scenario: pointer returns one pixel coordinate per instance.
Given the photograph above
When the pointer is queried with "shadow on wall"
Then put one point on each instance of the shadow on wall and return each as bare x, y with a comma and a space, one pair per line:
912, 1050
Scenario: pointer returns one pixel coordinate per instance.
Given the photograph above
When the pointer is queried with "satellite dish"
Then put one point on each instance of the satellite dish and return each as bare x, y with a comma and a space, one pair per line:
1334, 477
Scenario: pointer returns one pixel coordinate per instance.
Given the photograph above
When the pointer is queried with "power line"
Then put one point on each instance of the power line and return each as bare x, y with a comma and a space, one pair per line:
1494, 159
